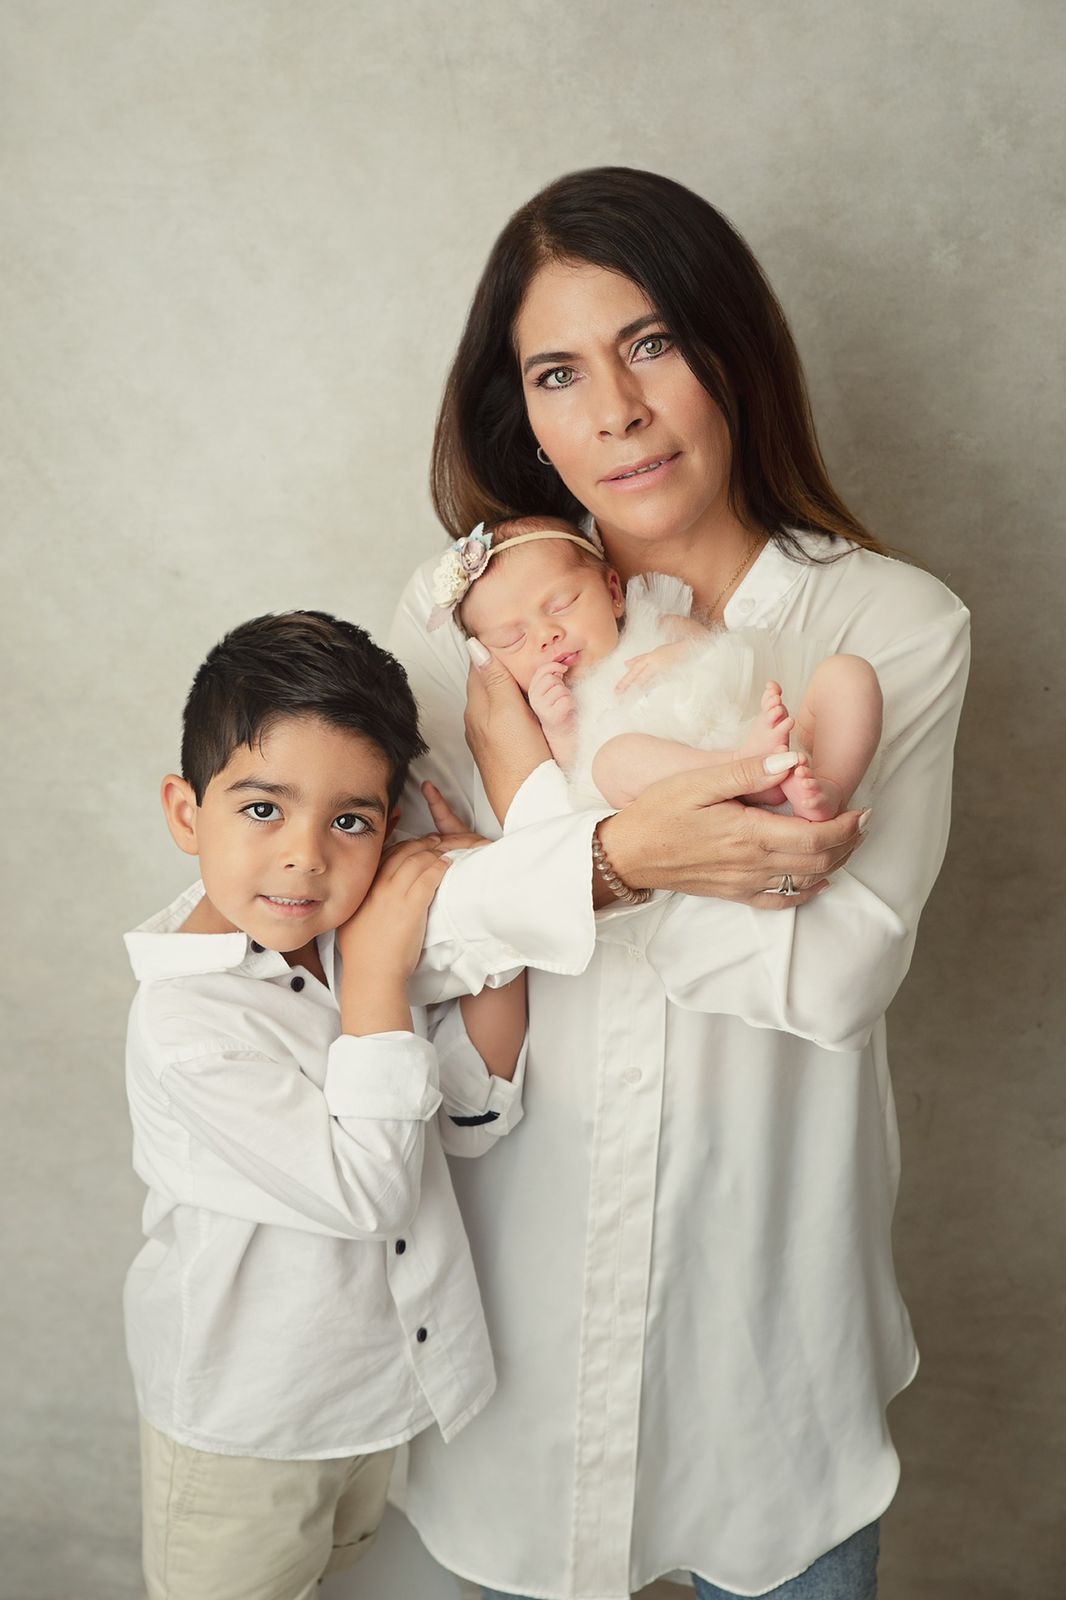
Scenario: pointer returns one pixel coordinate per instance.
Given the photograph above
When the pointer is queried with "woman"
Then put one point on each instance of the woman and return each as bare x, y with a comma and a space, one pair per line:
685, 1253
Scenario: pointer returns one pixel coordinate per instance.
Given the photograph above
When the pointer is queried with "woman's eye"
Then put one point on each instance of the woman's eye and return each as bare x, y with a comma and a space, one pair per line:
656, 344
350, 823
557, 378
262, 811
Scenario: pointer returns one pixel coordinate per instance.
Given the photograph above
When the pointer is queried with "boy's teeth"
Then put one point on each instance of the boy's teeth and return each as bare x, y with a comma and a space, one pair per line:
279, 900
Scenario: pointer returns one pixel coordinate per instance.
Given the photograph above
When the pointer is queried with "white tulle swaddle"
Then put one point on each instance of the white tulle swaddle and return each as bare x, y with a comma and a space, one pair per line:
707, 699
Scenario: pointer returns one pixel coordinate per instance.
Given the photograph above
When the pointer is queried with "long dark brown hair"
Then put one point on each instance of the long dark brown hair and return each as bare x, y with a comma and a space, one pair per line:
703, 280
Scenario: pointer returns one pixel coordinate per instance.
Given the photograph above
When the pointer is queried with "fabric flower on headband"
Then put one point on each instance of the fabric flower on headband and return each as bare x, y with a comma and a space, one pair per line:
456, 571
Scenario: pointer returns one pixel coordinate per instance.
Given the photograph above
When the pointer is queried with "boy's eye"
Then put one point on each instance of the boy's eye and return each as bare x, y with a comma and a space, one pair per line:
557, 378
350, 823
262, 811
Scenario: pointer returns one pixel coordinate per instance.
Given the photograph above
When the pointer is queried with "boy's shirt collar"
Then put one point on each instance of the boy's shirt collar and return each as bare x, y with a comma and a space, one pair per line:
157, 949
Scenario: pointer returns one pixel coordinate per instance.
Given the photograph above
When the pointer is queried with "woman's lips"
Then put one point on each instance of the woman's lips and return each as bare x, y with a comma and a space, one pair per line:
642, 474
289, 905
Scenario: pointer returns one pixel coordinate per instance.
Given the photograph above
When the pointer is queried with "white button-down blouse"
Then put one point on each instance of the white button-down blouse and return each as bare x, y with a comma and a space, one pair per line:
685, 1252
306, 1288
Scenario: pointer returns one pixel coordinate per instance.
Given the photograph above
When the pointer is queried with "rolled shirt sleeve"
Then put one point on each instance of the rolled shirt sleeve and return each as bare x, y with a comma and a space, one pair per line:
479, 1106
265, 1143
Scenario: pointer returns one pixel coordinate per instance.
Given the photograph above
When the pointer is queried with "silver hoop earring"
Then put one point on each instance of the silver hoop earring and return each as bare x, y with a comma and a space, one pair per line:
544, 460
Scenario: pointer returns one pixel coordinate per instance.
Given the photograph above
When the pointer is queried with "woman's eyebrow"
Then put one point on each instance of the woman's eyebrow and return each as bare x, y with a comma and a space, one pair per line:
568, 355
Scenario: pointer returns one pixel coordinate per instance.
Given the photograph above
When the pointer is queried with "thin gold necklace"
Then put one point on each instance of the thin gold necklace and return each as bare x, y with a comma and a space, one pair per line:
749, 557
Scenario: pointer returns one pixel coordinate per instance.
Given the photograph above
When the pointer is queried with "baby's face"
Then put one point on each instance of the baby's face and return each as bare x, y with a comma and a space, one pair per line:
539, 604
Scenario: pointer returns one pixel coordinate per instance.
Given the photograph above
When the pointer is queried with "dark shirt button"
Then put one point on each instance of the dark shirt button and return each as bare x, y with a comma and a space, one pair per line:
296, 983
421, 1335
401, 1246
258, 948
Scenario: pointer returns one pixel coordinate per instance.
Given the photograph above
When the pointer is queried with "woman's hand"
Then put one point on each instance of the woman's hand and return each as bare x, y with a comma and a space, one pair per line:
690, 833
504, 736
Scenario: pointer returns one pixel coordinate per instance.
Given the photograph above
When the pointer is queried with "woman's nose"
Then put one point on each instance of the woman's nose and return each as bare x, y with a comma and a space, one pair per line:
622, 408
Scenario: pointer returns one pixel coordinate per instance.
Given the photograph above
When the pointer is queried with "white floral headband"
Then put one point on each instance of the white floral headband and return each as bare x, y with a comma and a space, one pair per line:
467, 559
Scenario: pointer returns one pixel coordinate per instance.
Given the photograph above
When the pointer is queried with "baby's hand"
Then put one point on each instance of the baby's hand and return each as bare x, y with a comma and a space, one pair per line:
382, 942
550, 698
646, 668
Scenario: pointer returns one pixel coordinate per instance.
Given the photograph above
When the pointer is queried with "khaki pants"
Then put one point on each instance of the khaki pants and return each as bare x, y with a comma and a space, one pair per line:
242, 1528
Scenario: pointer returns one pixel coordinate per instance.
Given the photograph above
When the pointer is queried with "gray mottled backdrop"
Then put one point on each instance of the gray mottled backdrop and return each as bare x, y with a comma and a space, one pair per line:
239, 240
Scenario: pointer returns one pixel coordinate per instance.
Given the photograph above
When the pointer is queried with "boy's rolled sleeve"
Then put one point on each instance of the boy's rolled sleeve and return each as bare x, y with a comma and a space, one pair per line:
479, 1106
382, 1077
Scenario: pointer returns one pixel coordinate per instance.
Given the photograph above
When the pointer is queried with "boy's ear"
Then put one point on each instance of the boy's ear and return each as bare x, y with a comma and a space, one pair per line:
180, 810
391, 824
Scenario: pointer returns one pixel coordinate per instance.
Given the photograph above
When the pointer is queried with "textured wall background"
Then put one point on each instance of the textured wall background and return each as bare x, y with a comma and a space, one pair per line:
239, 240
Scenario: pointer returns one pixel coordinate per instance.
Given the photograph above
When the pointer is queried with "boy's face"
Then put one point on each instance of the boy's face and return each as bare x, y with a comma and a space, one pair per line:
541, 605
290, 833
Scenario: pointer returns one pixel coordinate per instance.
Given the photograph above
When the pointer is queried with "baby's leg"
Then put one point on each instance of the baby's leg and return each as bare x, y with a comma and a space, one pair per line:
625, 766
839, 726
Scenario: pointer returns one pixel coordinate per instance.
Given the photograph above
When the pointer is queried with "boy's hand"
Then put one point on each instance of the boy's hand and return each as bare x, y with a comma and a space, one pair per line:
550, 698
452, 834
646, 668
380, 945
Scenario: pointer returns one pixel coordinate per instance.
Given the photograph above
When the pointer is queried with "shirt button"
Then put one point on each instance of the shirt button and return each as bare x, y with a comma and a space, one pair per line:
632, 1075
258, 948
401, 1246
421, 1335
296, 983
633, 953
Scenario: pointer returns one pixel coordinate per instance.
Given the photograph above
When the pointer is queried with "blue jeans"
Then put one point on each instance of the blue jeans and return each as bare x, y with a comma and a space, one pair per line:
848, 1572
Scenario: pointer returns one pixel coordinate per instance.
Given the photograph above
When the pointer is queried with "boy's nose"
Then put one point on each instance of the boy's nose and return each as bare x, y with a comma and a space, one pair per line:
304, 854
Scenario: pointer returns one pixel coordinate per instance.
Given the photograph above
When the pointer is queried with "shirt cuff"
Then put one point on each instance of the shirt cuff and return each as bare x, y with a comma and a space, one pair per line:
383, 1077
470, 1090
543, 795
524, 901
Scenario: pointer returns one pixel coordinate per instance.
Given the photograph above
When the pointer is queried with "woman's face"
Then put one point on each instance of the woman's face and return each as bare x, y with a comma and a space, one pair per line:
629, 428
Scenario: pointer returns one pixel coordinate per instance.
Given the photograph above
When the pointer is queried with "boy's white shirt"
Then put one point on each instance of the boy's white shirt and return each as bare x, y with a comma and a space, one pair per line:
271, 1312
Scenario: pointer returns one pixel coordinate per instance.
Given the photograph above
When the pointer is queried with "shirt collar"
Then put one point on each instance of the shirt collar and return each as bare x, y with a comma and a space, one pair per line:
158, 950
769, 578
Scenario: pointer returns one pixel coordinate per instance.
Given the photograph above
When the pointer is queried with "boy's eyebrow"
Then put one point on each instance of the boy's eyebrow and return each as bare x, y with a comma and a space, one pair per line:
568, 355
286, 791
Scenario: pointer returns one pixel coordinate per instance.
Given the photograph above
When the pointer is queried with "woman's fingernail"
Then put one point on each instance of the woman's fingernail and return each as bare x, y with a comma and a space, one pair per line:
782, 761
864, 819
477, 653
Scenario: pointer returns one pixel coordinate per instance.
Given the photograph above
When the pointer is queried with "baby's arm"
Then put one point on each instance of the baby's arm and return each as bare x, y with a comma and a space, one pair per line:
839, 726
644, 668
553, 705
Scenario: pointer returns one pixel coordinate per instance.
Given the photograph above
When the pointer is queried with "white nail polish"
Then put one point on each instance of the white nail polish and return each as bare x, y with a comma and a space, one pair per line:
477, 653
782, 761
864, 819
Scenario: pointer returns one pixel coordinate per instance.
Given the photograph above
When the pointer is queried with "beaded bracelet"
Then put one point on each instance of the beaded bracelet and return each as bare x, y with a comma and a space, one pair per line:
632, 897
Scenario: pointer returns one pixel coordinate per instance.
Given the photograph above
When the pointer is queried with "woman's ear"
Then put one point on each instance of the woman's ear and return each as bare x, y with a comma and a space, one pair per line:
180, 810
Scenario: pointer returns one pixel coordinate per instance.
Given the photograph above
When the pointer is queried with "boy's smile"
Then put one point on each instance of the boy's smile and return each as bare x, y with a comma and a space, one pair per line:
289, 834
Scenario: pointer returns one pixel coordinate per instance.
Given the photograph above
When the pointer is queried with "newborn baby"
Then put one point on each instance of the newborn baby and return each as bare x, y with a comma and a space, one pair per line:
631, 688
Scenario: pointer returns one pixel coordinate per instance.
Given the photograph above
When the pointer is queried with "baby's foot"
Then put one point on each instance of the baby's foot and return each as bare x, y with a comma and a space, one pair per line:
815, 799
772, 726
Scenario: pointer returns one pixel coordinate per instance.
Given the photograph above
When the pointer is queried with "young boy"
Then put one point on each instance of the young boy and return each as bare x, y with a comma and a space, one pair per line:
306, 1299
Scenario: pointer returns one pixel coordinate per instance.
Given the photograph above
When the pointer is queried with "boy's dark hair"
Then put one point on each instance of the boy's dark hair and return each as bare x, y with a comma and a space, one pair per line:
297, 664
